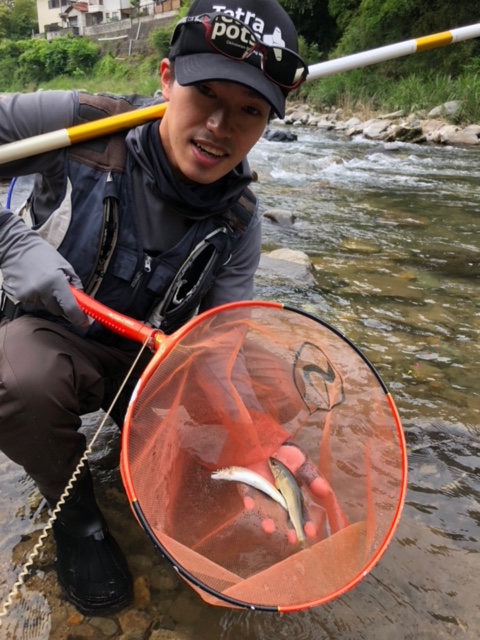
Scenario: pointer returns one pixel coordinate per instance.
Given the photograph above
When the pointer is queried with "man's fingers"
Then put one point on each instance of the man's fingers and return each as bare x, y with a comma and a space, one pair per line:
291, 456
292, 537
67, 302
248, 503
268, 525
337, 519
320, 487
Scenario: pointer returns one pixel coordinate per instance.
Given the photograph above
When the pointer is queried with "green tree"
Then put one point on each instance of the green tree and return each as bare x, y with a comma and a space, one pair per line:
366, 24
343, 12
314, 22
18, 18
34, 61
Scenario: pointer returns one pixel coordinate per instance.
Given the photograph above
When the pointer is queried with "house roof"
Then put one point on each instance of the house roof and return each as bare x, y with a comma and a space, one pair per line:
79, 6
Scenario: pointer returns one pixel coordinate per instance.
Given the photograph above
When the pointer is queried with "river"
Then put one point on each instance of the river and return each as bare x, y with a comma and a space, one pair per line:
394, 233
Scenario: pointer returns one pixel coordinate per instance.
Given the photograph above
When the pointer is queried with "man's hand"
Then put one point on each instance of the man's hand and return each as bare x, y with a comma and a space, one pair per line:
35, 273
322, 513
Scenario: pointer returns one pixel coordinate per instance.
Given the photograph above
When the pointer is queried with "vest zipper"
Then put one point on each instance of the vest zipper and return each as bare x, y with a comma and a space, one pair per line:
147, 268
109, 237
136, 285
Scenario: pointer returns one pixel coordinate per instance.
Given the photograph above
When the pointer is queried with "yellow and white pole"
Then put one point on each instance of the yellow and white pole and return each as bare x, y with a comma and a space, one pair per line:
80, 133
104, 126
373, 56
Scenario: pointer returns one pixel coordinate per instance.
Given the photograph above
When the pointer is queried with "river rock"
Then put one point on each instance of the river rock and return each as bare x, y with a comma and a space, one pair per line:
454, 262
328, 125
450, 108
163, 578
280, 216
279, 136
431, 125
360, 127
341, 126
377, 129
403, 133
286, 264
362, 247
416, 128
352, 122
187, 608
133, 620
141, 589
461, 138
106, 626
473, 128
442, 134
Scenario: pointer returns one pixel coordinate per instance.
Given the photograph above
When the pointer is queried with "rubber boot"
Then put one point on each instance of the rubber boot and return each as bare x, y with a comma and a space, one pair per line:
92, 570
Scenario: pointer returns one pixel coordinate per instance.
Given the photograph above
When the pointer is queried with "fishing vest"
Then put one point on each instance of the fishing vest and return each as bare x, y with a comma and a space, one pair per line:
95, 228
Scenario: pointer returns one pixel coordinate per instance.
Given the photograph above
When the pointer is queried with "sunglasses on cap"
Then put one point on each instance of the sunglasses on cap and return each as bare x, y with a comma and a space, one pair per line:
235, 40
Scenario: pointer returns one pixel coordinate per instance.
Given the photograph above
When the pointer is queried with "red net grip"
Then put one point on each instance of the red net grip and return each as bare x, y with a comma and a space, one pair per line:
124, 326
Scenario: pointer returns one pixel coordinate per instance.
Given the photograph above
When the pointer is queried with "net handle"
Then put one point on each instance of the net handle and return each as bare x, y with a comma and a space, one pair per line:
117, 322
140, 332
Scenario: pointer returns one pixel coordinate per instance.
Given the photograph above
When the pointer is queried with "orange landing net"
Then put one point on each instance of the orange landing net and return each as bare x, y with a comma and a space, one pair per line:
231, 391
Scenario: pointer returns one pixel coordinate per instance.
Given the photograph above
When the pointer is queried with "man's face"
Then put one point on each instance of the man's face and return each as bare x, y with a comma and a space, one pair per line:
209, 128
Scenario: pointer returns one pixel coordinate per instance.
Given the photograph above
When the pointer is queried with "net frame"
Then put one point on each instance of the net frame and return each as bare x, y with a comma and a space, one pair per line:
164, 345
164, 348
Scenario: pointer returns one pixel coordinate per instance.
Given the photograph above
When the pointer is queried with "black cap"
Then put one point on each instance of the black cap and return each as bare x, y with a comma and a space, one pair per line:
196, 61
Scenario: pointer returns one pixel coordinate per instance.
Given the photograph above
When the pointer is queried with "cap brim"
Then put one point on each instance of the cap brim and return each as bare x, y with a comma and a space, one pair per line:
207, 67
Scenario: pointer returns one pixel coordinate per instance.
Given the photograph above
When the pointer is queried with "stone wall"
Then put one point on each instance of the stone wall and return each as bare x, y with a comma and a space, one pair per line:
129, 37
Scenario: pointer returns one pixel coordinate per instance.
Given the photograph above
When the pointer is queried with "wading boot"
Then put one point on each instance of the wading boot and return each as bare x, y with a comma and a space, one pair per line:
91, 567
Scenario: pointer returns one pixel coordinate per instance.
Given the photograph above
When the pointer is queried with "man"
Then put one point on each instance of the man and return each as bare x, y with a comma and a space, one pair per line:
118, 217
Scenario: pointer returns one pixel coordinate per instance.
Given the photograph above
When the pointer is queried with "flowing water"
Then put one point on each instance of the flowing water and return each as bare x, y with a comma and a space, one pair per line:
394, 233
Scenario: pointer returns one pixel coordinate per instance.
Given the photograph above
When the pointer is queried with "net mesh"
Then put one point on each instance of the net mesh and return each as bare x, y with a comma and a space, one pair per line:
231, 391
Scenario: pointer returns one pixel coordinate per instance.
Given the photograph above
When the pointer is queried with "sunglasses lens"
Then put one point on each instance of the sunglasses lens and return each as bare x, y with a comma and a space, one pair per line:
235, 40
283, 67
231, 37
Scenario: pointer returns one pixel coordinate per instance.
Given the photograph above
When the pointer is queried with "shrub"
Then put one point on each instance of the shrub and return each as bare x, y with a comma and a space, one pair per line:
41, 60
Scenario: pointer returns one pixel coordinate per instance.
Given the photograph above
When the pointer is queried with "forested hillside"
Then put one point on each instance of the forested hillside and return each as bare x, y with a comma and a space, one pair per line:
336, 28
328, 29
342, 27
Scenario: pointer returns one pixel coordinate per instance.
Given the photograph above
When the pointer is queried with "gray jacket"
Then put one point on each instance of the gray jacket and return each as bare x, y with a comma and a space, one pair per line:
25, 115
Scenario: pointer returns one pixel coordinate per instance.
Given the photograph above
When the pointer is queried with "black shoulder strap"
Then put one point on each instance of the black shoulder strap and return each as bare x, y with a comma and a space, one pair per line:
241, 213
107, 153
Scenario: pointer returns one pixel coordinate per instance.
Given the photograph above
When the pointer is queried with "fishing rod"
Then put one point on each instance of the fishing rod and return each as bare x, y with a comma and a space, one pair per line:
104, 126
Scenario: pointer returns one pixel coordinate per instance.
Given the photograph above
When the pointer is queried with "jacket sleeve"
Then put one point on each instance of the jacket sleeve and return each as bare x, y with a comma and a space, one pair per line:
234, 282
34, 272
26, 115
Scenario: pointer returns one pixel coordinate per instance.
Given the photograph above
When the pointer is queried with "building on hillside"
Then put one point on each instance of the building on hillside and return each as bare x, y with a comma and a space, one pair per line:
60, 17
74, 17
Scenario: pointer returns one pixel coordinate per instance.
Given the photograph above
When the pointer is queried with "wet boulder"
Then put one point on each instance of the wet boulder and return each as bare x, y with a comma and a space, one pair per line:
286, 264
450, 108
280, 217
404, 133
277, 135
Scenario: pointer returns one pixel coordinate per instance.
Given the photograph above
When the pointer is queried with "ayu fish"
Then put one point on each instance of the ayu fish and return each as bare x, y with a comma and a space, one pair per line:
288, 487
253, 479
